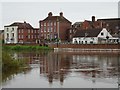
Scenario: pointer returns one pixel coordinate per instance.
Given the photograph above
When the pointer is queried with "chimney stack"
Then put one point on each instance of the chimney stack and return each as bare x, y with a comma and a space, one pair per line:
93, 18
61, 14
49, 14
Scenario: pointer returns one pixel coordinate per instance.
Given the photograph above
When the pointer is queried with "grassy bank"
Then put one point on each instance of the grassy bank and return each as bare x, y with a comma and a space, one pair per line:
11, 66
8, 63
25, 47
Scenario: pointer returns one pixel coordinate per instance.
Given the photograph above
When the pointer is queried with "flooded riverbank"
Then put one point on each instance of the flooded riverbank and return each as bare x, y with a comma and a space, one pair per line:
57, 69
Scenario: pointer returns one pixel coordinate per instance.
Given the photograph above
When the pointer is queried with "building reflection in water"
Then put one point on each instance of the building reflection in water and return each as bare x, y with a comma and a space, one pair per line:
57, 66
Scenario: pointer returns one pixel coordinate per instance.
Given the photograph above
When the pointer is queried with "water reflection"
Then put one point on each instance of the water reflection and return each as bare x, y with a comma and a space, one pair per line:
63, 66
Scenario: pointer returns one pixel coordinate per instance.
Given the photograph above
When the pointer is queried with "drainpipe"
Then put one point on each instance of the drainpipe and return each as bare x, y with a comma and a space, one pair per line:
58, 31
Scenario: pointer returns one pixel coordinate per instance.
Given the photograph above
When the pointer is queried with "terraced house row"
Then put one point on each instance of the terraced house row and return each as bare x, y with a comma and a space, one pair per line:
60, 29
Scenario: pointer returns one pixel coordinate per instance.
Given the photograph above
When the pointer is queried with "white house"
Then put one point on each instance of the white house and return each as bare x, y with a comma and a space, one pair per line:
11, 34
93, 36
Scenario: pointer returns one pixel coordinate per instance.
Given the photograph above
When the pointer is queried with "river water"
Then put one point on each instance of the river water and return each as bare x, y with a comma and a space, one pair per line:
57, 69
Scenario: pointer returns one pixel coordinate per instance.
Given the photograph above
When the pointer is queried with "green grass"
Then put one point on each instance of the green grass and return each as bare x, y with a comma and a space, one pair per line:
9, 63
25, 47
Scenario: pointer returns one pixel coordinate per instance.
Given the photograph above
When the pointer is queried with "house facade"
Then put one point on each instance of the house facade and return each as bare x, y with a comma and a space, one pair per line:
20, 33
54, 27
111, 24
93, 36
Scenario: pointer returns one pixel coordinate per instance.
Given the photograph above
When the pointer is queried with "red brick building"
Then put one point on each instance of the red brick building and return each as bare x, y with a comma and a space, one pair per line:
91, 24
54, 27
111, 24
21, 33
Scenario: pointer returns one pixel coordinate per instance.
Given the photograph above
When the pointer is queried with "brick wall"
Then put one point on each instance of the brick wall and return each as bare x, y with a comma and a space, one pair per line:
86, 46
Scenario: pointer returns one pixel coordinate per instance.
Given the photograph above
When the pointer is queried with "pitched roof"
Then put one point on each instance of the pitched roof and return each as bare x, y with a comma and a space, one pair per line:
21, 25
109, 19
59, 18
88, 33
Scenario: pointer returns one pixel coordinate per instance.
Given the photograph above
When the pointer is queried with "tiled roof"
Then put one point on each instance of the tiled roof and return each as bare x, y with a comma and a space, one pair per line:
59, 18
21, 25
88, 33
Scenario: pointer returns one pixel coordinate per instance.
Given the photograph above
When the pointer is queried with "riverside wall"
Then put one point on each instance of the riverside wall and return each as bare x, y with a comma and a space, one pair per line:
86, 46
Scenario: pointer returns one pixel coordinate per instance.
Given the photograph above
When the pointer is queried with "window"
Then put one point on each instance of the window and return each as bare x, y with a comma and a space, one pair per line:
28, 30
91, 42
102, 33
48, 23
44, 29
35, 31
19, 36
44, 35
31, 31
32, 36
51, 29
82, 42
41, 30
54, 30
22, 30
41, 35
70, 31
7, 29
48, 29
12, 35
51, 23
29, 36
92, 38
54, 23
12, 29
19, 31
7, 35
44, 24
22, 36
85, 42
41, 24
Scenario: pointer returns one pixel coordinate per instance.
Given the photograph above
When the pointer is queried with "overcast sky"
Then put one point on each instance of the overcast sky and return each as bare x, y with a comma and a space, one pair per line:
32, 12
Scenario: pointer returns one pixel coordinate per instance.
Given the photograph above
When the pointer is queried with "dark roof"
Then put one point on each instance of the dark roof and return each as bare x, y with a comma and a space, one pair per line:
21, 25
88, 33
36, 28
109, 19
1, 31
59, 18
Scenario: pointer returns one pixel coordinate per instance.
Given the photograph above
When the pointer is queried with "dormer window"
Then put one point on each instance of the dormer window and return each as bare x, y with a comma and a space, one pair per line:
102, 33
